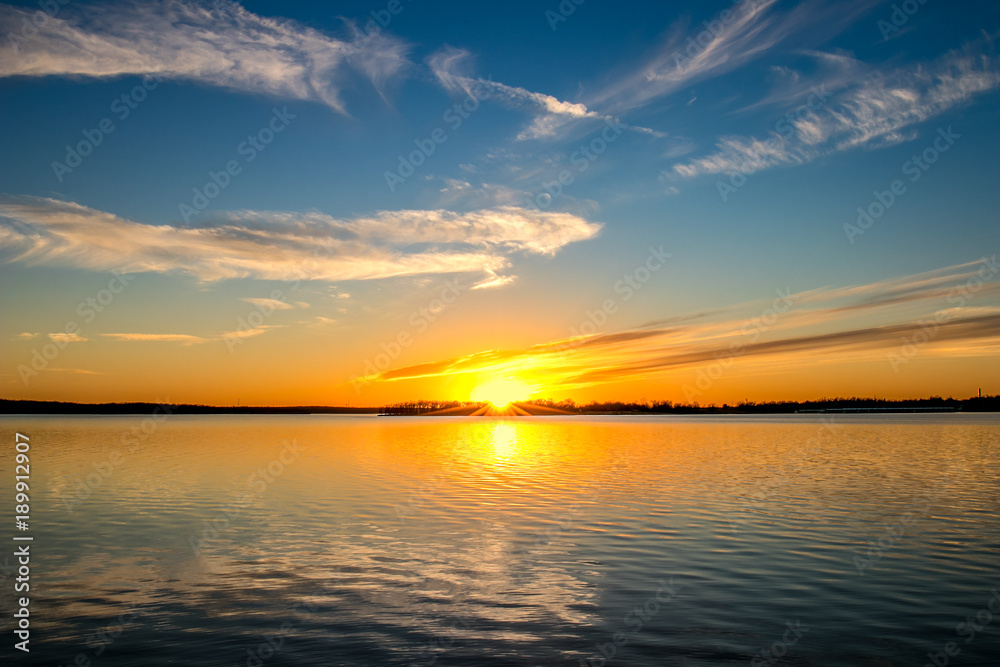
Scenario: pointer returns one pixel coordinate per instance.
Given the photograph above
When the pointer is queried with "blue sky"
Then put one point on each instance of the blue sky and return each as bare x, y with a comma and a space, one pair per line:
739, 137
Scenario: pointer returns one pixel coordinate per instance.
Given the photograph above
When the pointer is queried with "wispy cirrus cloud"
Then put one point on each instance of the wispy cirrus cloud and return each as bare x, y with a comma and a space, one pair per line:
738, 35
451, 65
286, 246
217, 44
678, 62
879, 109
907, 306
686, 56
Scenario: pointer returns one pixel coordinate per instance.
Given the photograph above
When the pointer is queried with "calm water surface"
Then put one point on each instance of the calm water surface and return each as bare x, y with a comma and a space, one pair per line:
357, 540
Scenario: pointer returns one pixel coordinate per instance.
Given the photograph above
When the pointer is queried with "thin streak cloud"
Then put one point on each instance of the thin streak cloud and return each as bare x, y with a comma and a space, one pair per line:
691, 342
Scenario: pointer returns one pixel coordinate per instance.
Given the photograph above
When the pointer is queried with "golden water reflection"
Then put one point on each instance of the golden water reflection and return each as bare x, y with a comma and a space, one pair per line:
504, 436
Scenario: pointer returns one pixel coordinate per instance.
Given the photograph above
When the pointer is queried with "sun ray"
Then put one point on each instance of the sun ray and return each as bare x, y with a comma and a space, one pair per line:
500, 392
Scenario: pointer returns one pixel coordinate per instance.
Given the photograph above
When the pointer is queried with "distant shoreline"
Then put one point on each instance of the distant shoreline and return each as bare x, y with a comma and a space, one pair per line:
8, 407
822, 406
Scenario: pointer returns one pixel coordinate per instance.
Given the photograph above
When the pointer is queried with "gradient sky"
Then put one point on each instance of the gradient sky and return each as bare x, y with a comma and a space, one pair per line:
365, 202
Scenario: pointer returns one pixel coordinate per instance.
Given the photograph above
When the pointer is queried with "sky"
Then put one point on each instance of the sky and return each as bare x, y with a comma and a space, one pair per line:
368, 202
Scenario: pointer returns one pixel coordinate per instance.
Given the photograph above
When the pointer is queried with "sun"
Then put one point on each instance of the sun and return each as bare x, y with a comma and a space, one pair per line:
501, 392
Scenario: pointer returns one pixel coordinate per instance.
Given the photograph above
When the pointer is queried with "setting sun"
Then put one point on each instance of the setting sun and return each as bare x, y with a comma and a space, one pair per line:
501, 392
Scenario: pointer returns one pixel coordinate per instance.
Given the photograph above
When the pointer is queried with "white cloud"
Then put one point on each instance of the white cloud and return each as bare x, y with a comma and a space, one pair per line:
321, 321
66, 338
494, 281
269, 304
679, 147
450, 65
156, 338
464, 195
219, 44
251, 332
743, 154
285, 245
879, 110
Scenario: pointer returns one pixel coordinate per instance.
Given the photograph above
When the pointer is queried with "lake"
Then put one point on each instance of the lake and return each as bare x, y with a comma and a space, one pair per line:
654, 540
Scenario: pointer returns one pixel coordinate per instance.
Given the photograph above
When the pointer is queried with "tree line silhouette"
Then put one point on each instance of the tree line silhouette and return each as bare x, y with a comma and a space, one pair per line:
854, 403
